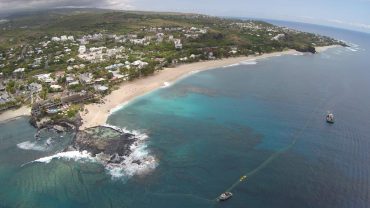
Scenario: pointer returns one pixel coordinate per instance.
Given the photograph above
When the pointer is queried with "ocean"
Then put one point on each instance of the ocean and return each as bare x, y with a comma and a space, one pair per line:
264, 120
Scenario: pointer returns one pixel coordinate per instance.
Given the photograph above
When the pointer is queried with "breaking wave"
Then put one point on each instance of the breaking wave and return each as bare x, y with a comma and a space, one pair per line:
70, 155
166, 84
231, 65
250, 62
119, 107
138, 162
28, 145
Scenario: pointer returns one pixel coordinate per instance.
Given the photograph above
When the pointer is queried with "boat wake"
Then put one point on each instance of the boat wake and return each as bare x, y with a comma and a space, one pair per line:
138, 162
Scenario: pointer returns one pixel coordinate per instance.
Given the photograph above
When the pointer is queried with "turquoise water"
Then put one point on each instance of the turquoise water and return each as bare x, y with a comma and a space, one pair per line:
209, 129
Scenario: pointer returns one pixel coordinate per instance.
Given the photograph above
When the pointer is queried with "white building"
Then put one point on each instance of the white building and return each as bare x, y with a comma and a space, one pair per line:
139, 64
56, 87
71, 38
63, 38
35, 87
82, 49
178, 44
55, 39
19, 70
45, 78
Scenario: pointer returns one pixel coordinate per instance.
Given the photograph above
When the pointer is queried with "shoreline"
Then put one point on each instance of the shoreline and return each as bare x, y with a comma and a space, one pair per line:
97, 114
14, 114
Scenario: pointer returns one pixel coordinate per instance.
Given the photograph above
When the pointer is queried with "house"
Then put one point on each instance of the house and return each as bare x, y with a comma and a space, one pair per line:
70, 78
101, 88
178, 44
278, 37
63, 38
71, 38
55, 39
71, 60
85, 78
138, 41
2, 87
45, 78
76, 98
56, 88
139, 64
18, 71
74, 83
5, 98
99, 80
35, 87
82, 49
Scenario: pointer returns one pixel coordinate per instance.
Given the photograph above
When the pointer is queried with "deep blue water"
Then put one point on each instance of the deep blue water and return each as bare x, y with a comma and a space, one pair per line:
209, 129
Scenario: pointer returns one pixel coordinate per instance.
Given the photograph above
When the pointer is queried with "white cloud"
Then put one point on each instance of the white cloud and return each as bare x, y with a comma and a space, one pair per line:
22, 5
352, 24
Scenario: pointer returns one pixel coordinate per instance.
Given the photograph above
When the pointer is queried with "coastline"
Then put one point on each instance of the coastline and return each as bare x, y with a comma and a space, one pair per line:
13, 114
97, 114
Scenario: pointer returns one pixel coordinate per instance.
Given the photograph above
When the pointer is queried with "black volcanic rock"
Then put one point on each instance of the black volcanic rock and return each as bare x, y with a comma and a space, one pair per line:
105, 140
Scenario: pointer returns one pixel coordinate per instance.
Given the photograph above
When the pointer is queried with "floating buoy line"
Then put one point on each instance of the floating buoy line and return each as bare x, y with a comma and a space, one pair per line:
295, 137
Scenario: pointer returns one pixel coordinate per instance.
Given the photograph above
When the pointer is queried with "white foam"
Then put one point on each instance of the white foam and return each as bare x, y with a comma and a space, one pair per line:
120, 107
70, 155
231, 65
298, 54
166, 84
352, 49
29, 145
139, 162
250, 62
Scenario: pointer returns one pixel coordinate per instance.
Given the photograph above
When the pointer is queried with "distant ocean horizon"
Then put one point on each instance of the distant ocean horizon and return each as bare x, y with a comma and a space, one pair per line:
264, 120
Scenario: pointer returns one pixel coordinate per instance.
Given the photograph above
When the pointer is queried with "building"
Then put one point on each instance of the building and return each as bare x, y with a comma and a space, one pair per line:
55, 39
63, 38
45, 78
35, 87
19, 70
139, 64
56, 88
178, 44
86, 78
82, 49
54, 106
101, 88
76, 98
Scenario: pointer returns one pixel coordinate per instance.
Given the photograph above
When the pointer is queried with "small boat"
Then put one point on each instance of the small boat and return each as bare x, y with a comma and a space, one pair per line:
225, 196
330, 118
243, 178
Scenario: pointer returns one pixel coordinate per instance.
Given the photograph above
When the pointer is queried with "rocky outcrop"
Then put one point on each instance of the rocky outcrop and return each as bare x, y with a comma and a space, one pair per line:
106, 143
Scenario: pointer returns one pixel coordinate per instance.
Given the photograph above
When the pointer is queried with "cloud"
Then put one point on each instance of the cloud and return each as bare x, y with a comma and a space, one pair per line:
352, 24
24, 5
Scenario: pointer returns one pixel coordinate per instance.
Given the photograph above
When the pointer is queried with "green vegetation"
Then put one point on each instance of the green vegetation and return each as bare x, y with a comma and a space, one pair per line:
107, 47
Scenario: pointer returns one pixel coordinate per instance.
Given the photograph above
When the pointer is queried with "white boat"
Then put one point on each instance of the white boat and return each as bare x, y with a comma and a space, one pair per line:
330, 118
225, 196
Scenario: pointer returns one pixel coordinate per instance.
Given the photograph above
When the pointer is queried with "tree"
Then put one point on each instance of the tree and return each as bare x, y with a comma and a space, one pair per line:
11, 87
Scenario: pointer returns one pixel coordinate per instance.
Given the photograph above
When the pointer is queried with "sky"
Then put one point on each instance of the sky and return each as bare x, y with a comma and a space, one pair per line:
349, 14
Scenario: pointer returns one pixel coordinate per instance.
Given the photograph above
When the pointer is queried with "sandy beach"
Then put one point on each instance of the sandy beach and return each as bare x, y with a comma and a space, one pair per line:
97, 114
12, 114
